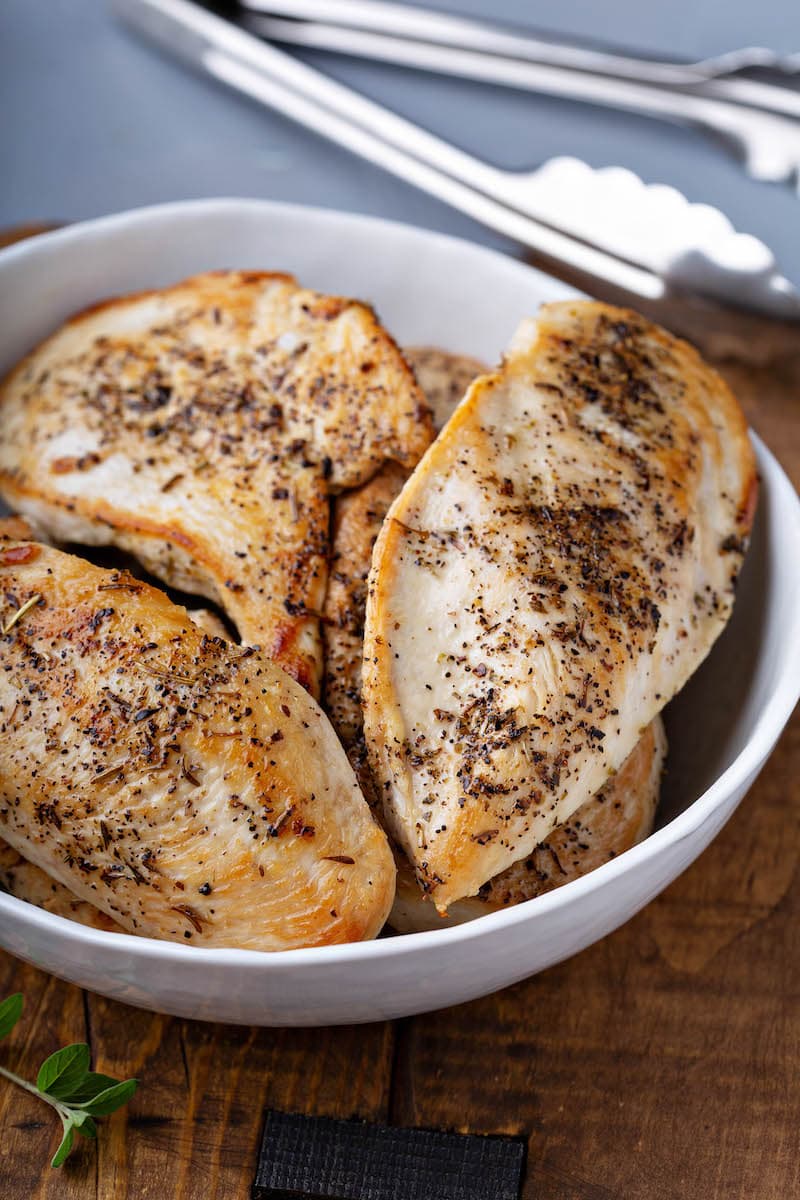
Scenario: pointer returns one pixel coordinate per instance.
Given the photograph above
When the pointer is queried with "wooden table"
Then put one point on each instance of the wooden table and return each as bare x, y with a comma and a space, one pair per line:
662, 1063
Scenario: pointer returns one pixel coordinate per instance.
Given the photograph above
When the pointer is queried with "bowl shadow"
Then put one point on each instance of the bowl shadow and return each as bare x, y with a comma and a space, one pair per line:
708, 721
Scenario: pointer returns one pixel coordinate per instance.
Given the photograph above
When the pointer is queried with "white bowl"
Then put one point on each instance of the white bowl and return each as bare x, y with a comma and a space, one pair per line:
435, 290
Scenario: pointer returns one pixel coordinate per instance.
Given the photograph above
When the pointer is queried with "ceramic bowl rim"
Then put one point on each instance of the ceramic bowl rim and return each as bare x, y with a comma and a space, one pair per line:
776, 489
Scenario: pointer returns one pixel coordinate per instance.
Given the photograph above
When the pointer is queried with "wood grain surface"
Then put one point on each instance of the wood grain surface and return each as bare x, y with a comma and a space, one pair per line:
661, 1064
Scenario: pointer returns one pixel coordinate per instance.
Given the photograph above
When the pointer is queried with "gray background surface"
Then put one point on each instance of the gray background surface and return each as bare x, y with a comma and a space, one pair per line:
94, 121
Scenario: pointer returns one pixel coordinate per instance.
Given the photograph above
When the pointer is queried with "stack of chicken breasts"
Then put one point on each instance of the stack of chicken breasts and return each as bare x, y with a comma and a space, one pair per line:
421, 621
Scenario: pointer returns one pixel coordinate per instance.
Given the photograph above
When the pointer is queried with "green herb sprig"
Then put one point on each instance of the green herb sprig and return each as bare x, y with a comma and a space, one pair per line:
64, 1081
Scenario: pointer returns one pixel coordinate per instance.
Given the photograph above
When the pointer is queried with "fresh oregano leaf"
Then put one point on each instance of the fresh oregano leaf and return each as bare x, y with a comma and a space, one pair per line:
66, 1145
111, 1099
10, 1013
64, 1071
93, 1084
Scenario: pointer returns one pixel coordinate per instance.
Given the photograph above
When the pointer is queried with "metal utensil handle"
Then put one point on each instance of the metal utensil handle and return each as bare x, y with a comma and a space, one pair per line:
519, 209
305, 95
428, 25
741, 126
558, 79
189, 29
589, 260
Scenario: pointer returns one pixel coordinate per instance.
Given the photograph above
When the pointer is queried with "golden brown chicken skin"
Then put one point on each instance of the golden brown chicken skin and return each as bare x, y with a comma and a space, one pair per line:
444, 378
602, 828
188, 788
203, 428
555, 569
609, 823
27, 882
357, 519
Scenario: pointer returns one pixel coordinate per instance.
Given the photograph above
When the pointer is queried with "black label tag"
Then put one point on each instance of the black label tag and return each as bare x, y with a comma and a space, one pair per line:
352, 1160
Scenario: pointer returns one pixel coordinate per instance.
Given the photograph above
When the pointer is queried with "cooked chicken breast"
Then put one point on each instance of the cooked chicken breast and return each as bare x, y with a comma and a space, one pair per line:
13, 527
357, 519
203, 428
209, 622
18, 876
555, 569
443, 377
24, 880
605, 826
185, 786
27, 882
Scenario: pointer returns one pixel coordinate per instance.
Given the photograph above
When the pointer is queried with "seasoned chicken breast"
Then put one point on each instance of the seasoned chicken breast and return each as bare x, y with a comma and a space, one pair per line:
357, 519
555, 569
27, 882
443, 377
605, 826
209, 622
203, 428
18, 876
185, 786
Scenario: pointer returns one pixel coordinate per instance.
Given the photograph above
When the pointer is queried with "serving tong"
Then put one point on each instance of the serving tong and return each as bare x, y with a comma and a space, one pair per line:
751, 115
447, 29
647, 242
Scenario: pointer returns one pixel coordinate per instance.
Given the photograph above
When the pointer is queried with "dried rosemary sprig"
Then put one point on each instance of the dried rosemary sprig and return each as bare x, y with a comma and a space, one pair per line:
20, 613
